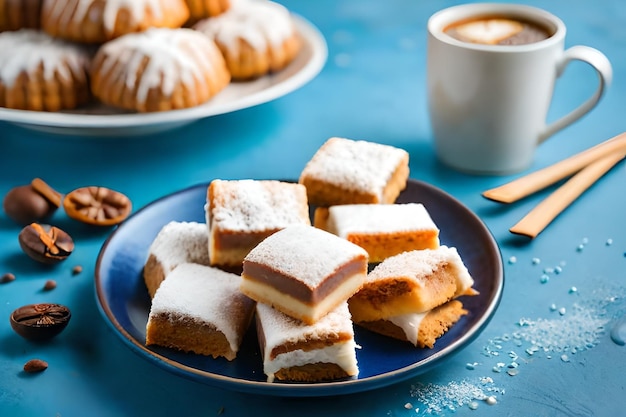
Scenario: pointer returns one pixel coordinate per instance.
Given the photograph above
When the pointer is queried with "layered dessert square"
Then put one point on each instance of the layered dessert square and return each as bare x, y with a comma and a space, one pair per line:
304, 272
200, 309
383, 230
175, 244
411, 282
241, 213
345, 171
420, 329
298, 352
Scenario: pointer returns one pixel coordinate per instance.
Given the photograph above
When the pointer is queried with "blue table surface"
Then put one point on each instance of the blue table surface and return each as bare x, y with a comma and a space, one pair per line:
371, 88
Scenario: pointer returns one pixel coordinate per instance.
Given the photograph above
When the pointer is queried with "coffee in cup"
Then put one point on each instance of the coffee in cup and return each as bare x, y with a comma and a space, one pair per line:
497, 30
491, 71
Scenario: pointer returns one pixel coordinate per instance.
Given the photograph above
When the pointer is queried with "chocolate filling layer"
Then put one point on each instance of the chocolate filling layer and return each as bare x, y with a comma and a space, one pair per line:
238, 240
297, 289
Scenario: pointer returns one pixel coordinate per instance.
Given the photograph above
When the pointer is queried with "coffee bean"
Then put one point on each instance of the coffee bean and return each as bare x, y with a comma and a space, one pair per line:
40, 321
97, 205
50, 285
31, 203
45, 243
35, 365
6, 278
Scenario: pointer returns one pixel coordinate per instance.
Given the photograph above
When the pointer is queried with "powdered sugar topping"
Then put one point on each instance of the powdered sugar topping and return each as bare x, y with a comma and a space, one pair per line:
181, 242
250, 205
357, 165
280, 328
420, 264
307, 253
379, 218
208, 295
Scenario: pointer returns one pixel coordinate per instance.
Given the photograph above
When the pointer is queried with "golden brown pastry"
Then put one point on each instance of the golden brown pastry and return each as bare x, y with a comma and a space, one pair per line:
345, 171
20, 14
38, 72
159, 69
97, 21
201, 9
255, 37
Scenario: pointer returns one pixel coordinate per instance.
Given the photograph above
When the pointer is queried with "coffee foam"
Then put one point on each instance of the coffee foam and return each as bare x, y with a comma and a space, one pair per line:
488, 31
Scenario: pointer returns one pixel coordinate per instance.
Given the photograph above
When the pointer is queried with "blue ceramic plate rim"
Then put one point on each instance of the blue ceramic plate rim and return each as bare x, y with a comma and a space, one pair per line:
125, 308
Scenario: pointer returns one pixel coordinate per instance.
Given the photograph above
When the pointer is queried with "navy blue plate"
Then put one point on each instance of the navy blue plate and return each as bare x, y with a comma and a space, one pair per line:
124, 302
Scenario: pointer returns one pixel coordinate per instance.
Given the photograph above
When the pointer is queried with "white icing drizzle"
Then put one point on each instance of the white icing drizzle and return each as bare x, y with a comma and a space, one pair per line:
175, 55
259, 23
355, 164
280, 329
25, 50
137, 9
409, 323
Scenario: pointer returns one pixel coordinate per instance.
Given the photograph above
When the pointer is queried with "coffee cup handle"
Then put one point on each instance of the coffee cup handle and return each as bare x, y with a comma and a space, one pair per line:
603, 68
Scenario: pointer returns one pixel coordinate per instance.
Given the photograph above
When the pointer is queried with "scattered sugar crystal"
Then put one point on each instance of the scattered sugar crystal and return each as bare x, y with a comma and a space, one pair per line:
609, 242
573, 290
580, 247
532, 350
558, 269
448, 397
536, 261
512, 259
408, 406
548, 270
471, 366
563, 335
473, 405
544, 278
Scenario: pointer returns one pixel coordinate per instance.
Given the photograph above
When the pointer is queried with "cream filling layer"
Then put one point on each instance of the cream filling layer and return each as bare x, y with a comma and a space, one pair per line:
342, 354
292, 307
409, 323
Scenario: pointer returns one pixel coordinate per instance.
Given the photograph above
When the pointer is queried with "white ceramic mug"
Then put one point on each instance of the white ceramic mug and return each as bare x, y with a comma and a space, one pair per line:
488, 103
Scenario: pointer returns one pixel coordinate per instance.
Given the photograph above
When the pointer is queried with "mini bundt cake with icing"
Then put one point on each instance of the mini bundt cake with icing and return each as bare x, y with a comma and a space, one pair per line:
157, 70
38, 72
255, 36
19, 14
98, 21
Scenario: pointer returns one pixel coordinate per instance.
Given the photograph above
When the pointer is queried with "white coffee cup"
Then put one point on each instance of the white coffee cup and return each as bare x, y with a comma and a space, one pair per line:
488, 103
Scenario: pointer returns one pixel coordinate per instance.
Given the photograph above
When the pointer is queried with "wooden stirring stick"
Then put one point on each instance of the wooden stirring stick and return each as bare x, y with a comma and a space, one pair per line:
538, 180
538, 218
